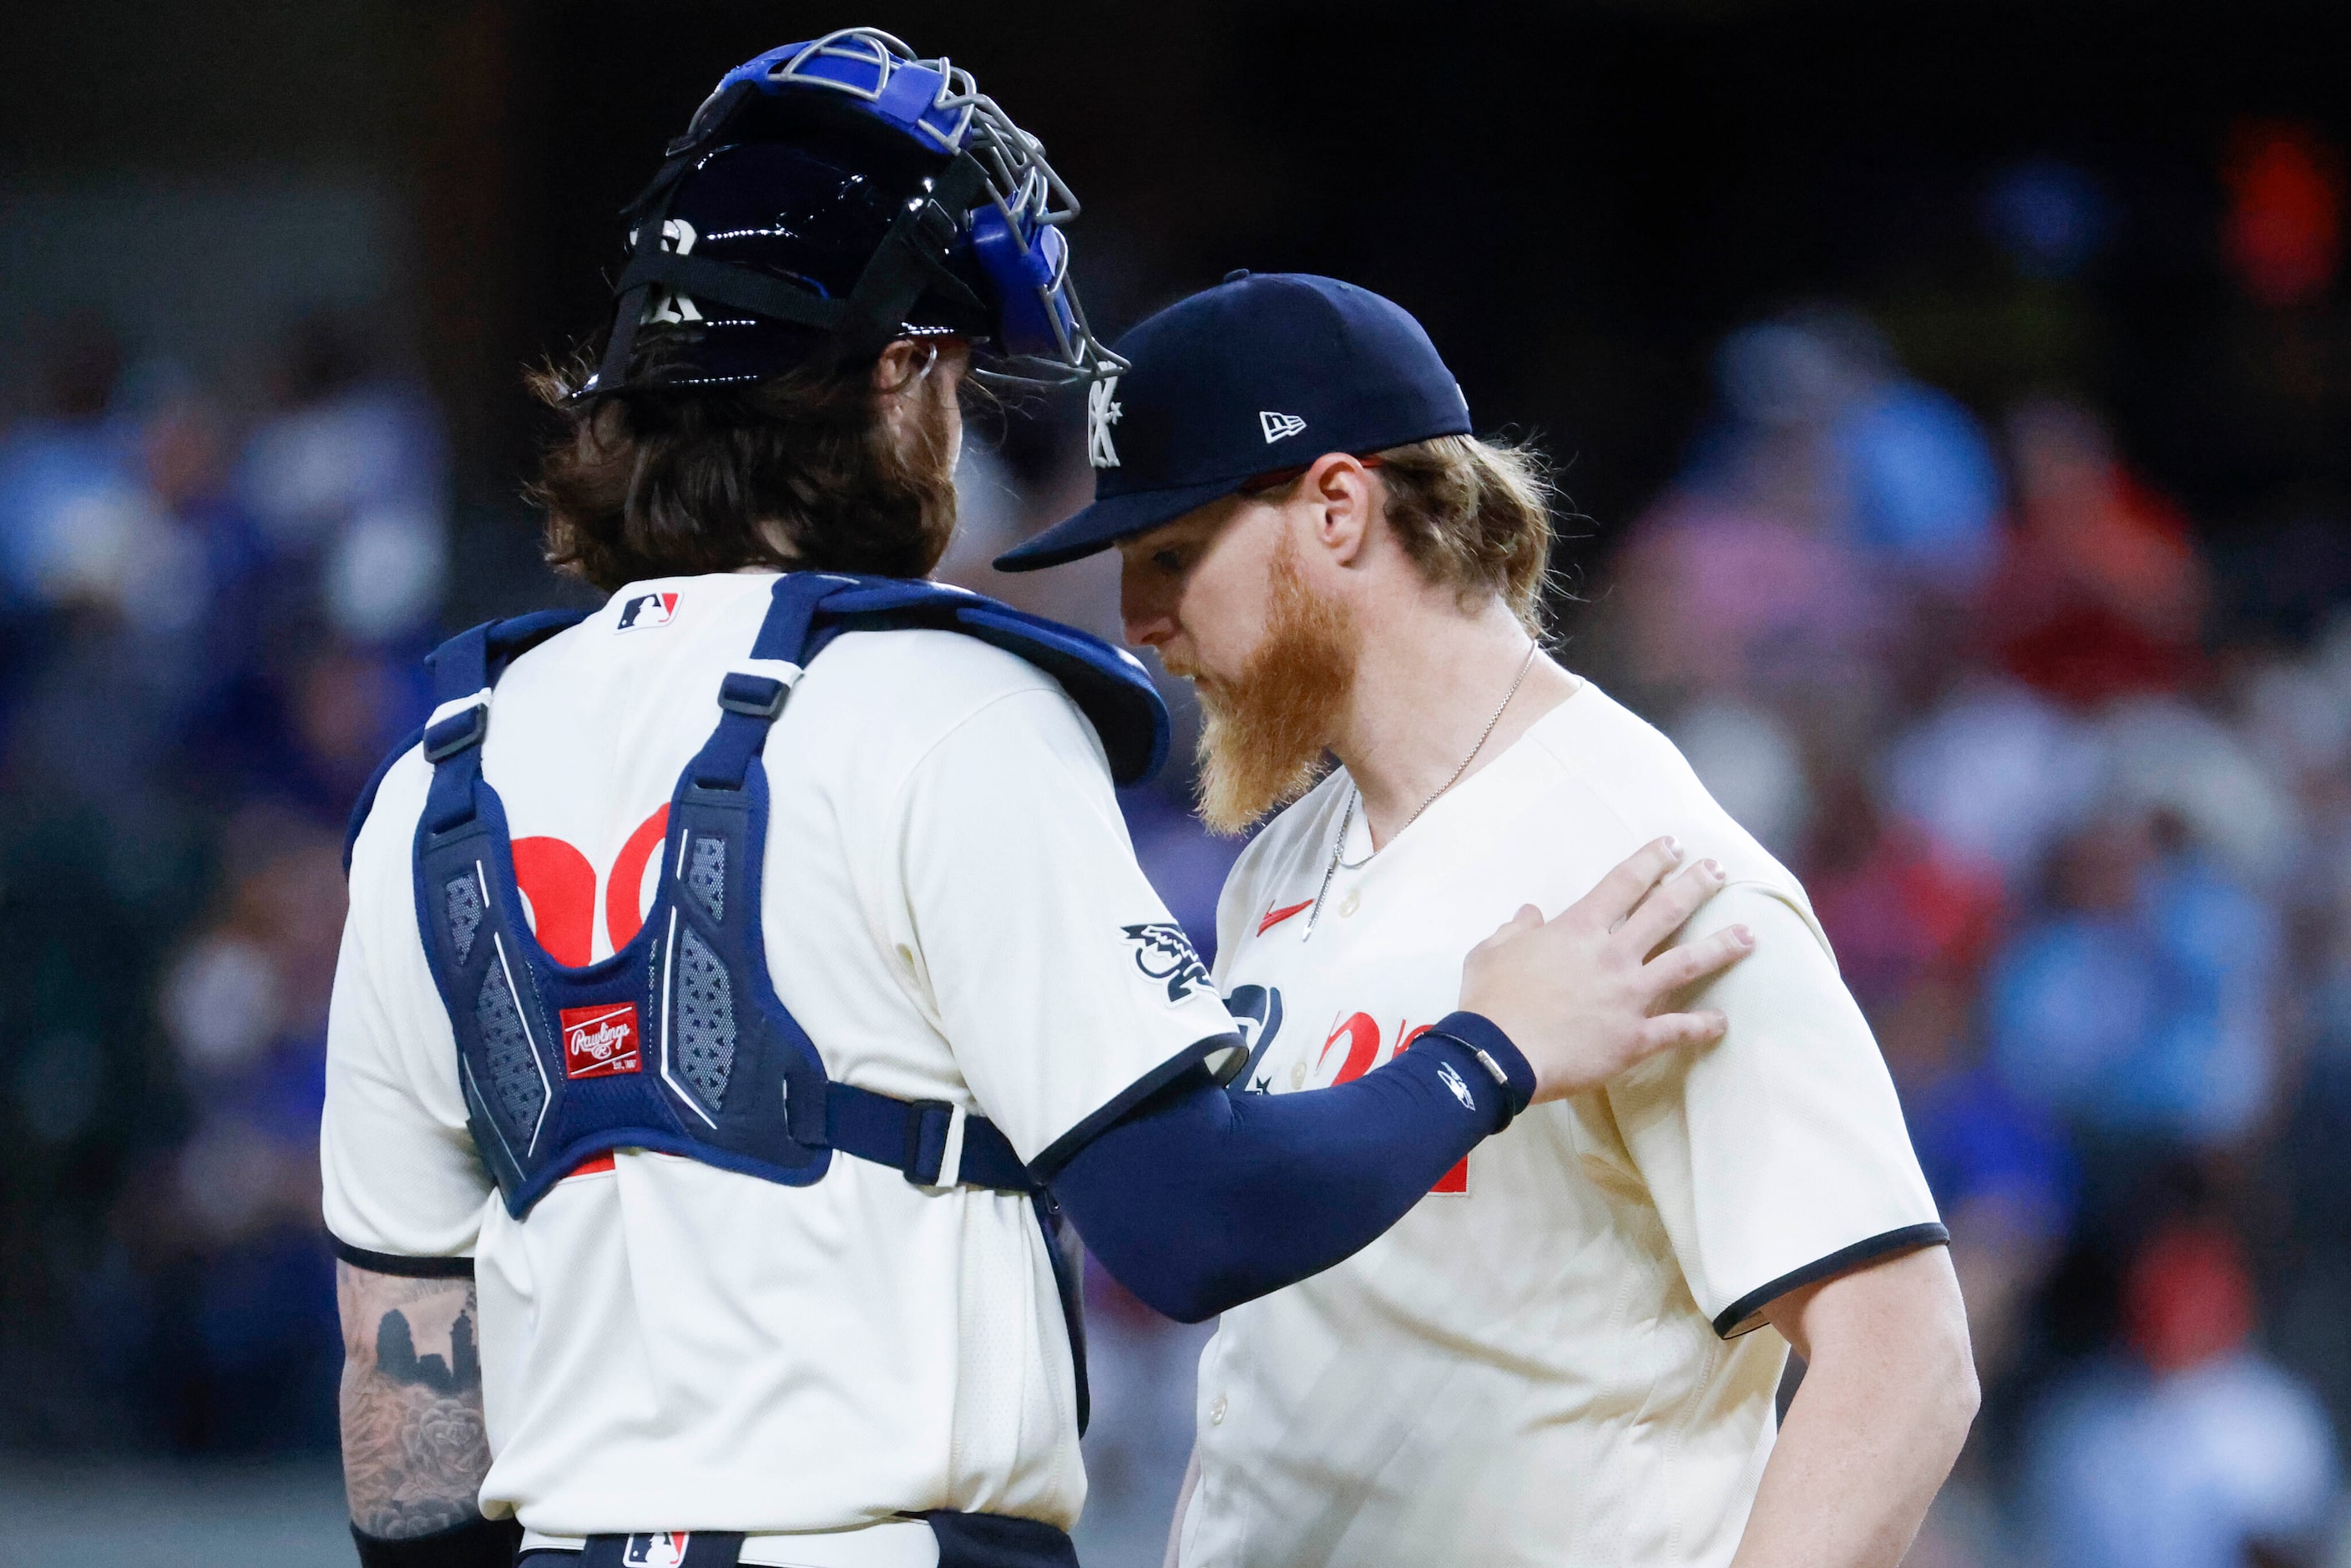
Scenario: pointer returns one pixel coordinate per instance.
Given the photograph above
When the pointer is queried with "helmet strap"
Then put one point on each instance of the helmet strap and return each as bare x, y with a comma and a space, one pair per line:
904, 267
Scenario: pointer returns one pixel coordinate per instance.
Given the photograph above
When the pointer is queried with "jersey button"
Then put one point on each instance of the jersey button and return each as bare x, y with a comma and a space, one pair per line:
1217, 1412
1351, 902
1298, 1075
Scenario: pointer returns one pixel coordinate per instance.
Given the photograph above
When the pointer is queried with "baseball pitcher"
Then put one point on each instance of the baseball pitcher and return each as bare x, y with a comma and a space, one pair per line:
1568, 1352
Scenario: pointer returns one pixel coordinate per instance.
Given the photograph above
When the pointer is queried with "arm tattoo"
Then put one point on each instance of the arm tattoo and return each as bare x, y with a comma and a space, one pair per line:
414, 1451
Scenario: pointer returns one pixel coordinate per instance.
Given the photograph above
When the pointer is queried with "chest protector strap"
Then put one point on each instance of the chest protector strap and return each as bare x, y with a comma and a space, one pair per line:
678, 1042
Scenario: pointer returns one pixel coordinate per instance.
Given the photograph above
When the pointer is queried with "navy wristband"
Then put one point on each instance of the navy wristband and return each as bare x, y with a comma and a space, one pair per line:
478, 1543
1502, 1062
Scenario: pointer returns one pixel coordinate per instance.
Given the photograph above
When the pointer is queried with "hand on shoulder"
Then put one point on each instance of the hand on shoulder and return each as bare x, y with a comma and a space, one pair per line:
1580, 995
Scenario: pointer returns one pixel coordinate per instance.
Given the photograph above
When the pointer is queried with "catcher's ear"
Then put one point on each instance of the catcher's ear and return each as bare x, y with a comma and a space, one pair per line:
904, 364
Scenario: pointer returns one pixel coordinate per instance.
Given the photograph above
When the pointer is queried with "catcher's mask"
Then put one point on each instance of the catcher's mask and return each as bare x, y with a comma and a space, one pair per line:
841, 194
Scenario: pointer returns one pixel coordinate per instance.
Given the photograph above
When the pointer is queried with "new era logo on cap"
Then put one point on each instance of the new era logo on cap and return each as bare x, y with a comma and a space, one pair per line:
1318, 365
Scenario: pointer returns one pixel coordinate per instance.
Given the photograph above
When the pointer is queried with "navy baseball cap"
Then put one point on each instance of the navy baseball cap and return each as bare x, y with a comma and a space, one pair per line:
1263, 372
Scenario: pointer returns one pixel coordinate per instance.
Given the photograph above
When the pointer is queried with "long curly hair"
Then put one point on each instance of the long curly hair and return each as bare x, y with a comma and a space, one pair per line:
796, 472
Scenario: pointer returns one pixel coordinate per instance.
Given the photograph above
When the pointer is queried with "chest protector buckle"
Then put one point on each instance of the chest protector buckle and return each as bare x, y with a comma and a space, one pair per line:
678, 1042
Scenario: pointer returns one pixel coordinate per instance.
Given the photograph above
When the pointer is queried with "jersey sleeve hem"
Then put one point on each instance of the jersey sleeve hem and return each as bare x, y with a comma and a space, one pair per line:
1048, 1164
1743, 1315
405, 1267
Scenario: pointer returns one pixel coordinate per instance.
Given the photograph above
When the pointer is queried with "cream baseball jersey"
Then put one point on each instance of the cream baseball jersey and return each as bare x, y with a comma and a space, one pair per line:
1548, 1361
953, 912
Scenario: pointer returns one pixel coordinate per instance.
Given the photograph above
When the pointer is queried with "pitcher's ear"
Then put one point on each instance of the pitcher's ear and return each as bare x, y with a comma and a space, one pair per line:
1347, 504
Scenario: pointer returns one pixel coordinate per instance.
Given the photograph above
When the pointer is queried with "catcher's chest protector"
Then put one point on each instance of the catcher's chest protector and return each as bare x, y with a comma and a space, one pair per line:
678, 1042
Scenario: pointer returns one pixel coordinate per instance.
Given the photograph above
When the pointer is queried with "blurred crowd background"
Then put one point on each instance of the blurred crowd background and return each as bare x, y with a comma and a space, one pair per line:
1954, 410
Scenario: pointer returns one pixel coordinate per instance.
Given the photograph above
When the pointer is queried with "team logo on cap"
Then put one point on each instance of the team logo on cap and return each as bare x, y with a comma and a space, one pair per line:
1278, 426
1163, 952
662, 1548
1100, 414
599, 1042
647, 610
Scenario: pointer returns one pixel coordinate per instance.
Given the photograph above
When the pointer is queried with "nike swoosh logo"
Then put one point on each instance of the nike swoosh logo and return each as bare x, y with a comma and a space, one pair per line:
1274, 917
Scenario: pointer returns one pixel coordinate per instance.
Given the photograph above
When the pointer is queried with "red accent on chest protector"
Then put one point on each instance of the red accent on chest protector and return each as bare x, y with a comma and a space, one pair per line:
600, 1040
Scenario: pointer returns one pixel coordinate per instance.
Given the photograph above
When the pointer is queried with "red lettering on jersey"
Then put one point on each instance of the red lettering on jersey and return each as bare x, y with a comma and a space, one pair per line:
560, 885
600, 1041
1362, 1037
1458, 1178
624, 914
561, 888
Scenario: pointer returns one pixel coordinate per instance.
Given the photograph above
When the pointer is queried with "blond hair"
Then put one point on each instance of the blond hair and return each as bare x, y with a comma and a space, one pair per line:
1474, 516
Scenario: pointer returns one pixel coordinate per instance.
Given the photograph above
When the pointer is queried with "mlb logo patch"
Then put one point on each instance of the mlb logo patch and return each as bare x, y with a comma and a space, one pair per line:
663, 1548
599, 1042
647, 610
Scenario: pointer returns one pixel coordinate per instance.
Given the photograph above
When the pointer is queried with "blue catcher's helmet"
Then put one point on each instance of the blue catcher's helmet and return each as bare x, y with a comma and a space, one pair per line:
843, 192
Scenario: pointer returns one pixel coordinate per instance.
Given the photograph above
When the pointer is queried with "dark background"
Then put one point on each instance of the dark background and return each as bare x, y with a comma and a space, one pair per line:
1577, 200
237, 223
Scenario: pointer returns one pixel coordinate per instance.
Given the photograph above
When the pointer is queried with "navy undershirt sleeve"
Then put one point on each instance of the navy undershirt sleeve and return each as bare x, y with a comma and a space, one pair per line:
1199, 1199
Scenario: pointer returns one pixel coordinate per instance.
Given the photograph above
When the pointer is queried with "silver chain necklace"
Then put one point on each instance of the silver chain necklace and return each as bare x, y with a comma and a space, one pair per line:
1355, 794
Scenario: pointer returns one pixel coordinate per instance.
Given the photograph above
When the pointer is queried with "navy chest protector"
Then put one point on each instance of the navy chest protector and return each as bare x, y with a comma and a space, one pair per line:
678, 1042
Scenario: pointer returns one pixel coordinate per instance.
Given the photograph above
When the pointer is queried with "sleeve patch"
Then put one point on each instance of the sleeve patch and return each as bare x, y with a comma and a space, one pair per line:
1164, 954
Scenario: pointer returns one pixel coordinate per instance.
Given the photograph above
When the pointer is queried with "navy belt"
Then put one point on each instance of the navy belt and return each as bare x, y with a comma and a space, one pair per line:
965, 1541
910, 1136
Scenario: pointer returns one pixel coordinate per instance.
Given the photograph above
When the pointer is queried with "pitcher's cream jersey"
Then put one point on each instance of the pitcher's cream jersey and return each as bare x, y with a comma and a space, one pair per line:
952, 911
1547, 1361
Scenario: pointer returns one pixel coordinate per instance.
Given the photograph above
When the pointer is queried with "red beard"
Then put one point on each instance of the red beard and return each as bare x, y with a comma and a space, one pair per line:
1263, 737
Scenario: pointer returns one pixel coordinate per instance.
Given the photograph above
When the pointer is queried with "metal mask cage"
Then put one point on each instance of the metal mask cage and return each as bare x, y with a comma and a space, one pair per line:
938, 102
